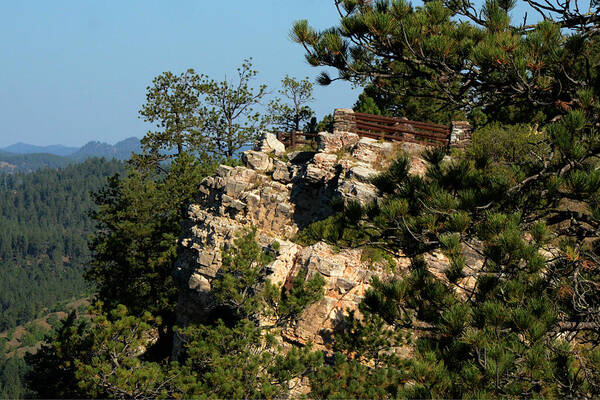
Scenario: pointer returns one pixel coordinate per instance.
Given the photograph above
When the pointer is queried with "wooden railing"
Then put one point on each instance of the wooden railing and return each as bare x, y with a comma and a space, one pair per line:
376, 127
293, 139
398, 129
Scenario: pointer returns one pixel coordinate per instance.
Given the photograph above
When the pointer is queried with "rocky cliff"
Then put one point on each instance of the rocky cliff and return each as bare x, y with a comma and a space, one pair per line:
280, 193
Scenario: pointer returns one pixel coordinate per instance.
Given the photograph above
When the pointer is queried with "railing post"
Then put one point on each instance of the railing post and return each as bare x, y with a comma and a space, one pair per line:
344, 120
460, 134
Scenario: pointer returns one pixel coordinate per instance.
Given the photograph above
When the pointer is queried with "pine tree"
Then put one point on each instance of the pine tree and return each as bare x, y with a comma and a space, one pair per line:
289, 114
525, 325
173, 105
113, 355
461, 56
135, 244
229, 116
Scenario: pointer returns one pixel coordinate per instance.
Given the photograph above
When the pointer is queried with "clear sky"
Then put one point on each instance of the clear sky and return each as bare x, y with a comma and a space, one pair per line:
74, 71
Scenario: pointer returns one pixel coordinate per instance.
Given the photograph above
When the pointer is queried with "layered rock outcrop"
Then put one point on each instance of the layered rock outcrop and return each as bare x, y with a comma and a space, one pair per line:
279, 194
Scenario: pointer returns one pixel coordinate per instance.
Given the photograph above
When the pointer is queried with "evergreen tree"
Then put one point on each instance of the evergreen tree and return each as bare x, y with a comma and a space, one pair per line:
289, 116
462, 57
135, 244
112, 356
516, 323
173, 104
230, 119
43, 250
398, 98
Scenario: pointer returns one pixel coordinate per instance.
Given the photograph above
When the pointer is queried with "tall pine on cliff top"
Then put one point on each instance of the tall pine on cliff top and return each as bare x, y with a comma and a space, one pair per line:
463, 56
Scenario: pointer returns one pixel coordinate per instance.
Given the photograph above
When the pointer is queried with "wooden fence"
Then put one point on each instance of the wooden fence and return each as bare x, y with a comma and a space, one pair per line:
376, 127
399, 129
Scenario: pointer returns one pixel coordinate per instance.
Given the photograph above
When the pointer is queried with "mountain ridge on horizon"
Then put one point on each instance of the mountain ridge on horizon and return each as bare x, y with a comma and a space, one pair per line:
30, 159
63, 150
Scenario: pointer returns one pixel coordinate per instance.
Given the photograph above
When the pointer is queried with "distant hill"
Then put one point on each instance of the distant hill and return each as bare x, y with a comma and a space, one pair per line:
24, 148
22, 157
121, 150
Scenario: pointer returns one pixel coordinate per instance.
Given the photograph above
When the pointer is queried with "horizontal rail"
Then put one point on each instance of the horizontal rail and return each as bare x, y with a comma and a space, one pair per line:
419, 128
392, 129
393, 120
403, 138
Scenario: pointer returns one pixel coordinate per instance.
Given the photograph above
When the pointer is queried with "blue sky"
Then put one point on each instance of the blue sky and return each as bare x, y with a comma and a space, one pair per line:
72, 71
75, 71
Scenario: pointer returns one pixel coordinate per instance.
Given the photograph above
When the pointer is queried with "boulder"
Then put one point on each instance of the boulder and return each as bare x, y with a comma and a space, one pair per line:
364, 193
362, 173
322, 168
371, 151
199, 283
268, 143
334, 142
256, 160
281, 171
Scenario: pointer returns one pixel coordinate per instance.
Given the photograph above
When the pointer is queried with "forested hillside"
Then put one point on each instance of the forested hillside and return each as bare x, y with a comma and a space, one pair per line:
10, 163
43, 253
43, 240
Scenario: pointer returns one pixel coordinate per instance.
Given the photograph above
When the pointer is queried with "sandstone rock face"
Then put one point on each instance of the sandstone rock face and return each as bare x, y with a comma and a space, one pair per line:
279, 198
333, 142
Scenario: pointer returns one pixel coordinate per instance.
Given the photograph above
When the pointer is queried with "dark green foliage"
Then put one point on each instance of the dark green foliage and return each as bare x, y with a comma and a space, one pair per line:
240, 359
173, 105
441, 59
290, 113
287, 303
230, 120
10, 163
324, 125
98, 360
511, 144
241, 286
43, 248
405, 99
242, 270
366, 104
523, 199
53, 366
138, 222
12, 371
498, 337
212, 119
240, 362
350, 379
